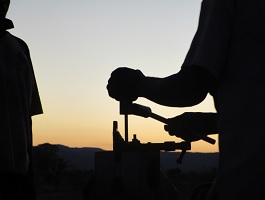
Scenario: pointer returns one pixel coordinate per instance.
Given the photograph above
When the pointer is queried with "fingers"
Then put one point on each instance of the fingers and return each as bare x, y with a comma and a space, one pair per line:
176, 130
117, 84
183, 127
120, 93
168, 130
125, 83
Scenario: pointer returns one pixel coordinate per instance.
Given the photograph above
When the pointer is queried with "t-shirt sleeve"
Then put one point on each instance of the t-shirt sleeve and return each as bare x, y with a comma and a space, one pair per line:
36, 106
210, 45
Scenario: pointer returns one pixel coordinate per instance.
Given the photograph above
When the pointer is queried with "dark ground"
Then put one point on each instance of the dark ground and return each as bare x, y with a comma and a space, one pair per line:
60, 195
184, 182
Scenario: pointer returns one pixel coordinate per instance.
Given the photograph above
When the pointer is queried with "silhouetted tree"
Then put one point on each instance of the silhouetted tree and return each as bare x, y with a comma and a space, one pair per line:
49, 167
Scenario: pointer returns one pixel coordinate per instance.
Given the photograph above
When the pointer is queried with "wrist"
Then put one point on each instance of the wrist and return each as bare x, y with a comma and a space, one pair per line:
147, 86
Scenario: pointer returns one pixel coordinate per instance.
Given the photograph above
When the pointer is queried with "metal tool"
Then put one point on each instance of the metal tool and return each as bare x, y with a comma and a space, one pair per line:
127, 108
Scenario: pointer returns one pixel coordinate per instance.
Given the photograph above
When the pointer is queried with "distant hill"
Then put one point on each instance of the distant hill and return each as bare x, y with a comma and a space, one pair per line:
79, 158
84, 158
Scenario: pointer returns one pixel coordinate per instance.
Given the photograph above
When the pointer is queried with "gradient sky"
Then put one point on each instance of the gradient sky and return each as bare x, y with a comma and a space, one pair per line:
75, 45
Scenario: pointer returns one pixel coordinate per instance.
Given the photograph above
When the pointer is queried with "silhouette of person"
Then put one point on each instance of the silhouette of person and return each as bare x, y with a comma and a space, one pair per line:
226, 59
19, 101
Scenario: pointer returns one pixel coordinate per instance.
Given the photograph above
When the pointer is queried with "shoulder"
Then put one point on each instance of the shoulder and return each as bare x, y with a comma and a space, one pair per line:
21, 43
219, 4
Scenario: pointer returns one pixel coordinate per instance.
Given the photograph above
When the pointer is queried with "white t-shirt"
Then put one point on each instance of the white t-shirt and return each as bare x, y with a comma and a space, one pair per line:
230, 43
19, 101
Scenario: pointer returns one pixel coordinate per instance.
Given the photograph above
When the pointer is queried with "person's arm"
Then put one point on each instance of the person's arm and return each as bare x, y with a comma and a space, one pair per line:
188, 87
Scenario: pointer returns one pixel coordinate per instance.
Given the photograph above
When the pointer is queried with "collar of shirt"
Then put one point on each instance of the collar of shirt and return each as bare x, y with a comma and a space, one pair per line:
5, 24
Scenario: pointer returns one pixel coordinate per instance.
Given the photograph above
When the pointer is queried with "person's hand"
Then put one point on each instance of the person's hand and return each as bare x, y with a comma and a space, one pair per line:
125, 84
189, 126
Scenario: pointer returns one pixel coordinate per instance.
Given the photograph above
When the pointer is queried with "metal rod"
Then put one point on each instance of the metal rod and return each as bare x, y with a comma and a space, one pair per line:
158, 117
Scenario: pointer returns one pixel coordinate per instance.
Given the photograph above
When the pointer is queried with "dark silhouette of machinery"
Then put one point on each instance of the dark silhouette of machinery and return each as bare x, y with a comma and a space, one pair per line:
132, 170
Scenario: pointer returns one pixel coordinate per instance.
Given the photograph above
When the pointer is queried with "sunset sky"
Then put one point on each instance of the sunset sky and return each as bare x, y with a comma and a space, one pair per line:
75, 45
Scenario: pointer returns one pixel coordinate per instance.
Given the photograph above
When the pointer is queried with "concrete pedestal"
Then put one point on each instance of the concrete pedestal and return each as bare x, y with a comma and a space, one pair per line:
131, 176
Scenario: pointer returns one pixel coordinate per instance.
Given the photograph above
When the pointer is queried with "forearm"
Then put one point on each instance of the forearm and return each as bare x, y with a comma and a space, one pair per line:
186, 88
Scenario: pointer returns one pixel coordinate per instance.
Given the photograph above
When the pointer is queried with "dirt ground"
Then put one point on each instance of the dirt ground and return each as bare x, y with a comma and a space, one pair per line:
71, 195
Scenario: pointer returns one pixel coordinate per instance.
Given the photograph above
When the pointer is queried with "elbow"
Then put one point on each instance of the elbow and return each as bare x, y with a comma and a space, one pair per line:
195, 100
189, 100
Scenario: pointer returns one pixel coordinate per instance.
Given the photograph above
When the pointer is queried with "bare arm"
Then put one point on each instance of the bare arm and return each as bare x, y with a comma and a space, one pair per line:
187, 88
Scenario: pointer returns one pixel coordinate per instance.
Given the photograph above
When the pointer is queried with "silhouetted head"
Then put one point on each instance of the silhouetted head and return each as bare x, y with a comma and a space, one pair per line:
4, 5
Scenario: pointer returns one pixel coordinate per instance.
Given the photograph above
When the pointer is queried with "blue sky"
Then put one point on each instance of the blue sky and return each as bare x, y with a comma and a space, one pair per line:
75, 45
